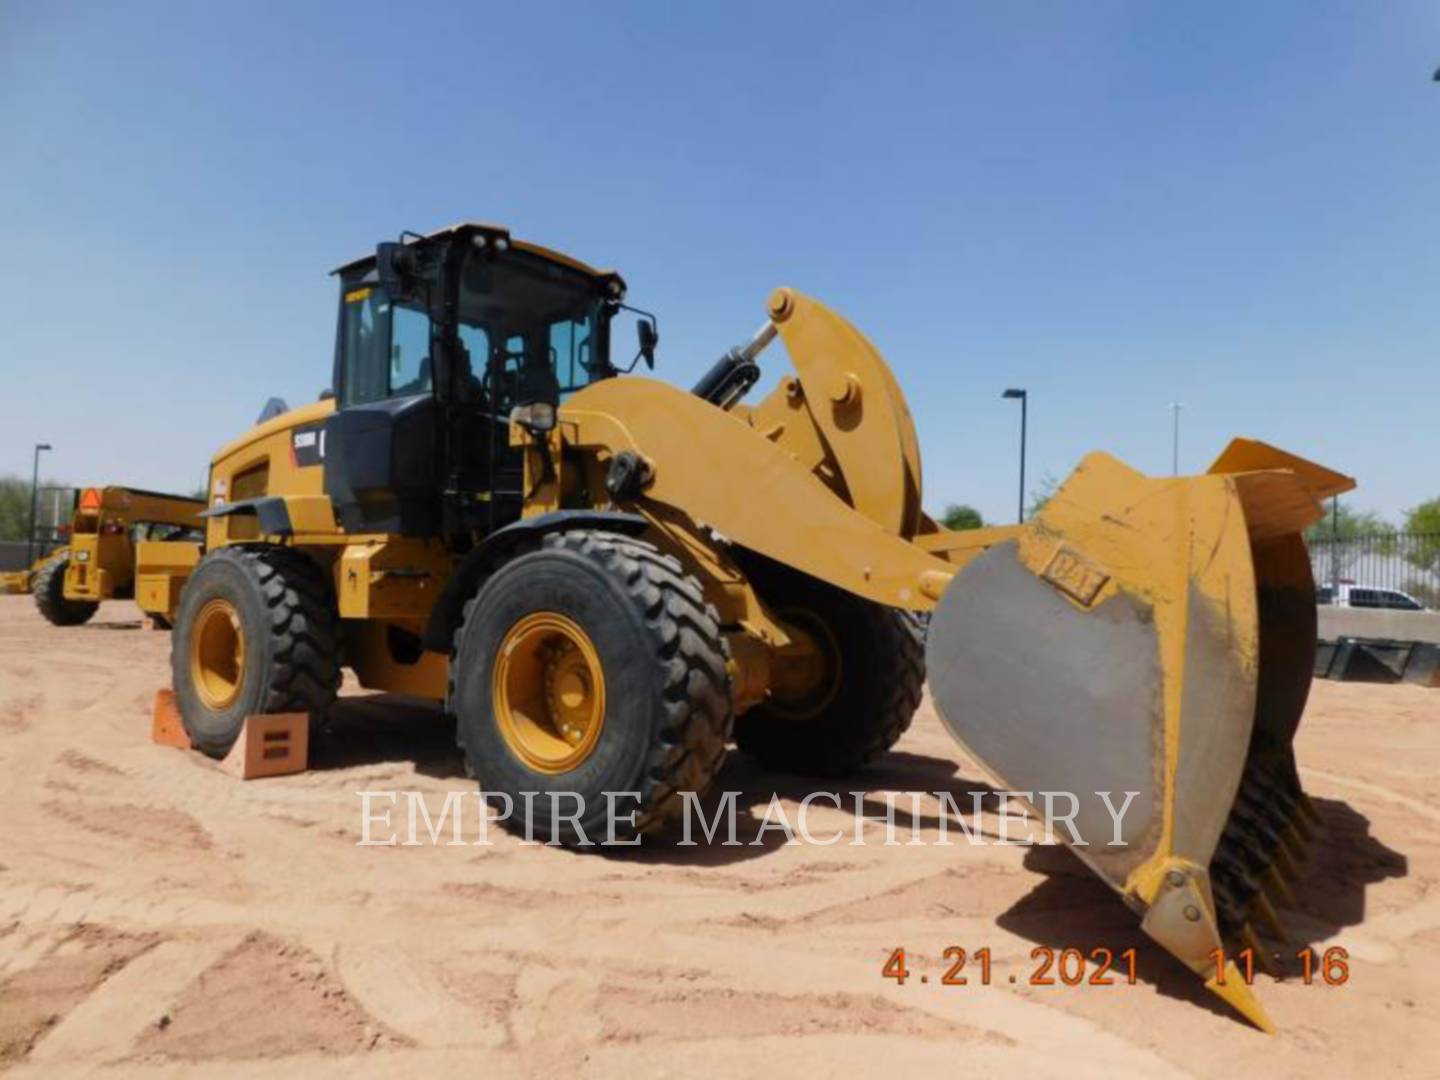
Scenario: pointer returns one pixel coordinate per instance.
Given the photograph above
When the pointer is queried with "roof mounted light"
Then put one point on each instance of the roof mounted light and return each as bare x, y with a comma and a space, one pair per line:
480, 240
501, 243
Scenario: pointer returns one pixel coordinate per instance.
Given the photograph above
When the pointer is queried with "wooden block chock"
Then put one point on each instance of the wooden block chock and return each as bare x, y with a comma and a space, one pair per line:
166, 727
273, 744
276, 744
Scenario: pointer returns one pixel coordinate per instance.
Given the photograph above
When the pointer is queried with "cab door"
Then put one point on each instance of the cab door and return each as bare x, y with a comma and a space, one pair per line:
381, 444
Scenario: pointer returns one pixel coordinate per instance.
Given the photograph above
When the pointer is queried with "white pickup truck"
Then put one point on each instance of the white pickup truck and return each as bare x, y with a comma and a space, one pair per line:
1367, 596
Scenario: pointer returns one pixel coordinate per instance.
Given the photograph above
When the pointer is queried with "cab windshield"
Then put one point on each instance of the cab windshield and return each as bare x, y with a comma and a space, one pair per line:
526, 323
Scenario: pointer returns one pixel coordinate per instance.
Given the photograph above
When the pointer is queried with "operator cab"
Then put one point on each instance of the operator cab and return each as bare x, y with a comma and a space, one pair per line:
440, 339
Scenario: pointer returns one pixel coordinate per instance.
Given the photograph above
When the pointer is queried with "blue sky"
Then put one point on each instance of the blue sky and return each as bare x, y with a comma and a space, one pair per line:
1116, 206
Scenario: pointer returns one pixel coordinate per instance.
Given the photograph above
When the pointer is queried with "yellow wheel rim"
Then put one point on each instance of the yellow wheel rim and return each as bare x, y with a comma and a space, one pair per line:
805, 677
217, 654
548, 691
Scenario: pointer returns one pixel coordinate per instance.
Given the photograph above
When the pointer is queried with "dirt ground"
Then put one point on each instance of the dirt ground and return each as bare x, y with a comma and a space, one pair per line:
156, 914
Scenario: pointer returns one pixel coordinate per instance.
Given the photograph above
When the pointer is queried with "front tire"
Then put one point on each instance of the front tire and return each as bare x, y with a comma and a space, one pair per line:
592, 665
256, 632
49, 588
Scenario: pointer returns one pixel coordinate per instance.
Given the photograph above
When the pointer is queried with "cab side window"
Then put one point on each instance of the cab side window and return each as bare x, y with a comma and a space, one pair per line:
409, 352
571, 354
362, 370
386, 348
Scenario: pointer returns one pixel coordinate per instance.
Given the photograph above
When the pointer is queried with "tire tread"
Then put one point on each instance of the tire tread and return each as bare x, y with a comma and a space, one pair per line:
852, 735
686, 633
49, 588
304, 628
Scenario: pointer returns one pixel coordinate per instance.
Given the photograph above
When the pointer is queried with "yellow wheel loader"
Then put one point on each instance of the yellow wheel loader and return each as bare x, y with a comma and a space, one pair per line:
109, 527
606, 579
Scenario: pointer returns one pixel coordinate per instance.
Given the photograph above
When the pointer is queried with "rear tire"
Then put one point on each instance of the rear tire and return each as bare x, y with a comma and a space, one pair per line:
656, 677
256, 632
875, 659
49, 588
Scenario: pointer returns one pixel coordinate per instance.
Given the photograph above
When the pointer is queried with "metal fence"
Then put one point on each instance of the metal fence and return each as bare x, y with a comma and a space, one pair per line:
1385, 570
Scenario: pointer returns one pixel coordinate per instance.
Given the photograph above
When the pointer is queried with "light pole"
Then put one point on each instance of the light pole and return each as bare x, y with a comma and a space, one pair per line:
1334, 549
34, 502
1175, 407
1024, 399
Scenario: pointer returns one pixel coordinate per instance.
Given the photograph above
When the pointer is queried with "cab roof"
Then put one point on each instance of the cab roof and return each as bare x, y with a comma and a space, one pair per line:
480, 228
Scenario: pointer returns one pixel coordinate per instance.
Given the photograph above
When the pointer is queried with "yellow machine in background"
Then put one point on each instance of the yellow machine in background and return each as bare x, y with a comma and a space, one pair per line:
607, 579
20, 582
109, 525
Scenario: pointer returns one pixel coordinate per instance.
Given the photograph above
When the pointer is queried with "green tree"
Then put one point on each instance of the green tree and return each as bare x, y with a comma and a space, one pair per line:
958, 516
1347, 523
14, 507
1424, 518
1041, 494
1423, 522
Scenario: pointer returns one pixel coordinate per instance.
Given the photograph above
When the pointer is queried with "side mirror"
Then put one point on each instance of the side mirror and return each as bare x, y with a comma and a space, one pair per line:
396, 266
649, 338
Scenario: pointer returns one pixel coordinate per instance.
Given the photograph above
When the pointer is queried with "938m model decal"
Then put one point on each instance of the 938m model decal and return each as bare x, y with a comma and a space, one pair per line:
307, 445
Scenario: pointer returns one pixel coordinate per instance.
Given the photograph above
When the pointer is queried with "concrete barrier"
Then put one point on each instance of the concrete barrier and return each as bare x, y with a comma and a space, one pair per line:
1423, 666
1368, 661
1378, 661
1340, 622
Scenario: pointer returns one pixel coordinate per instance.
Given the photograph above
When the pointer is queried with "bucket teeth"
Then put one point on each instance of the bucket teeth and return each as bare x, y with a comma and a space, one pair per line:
1278, 795
1246, 845
1249, 939
1259, 854
1280, 815
1301, 825
1233, 892
1268, 829
1258, 826
1287, 866
1277, 889
1295, 842
1268, 917
1296, 830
